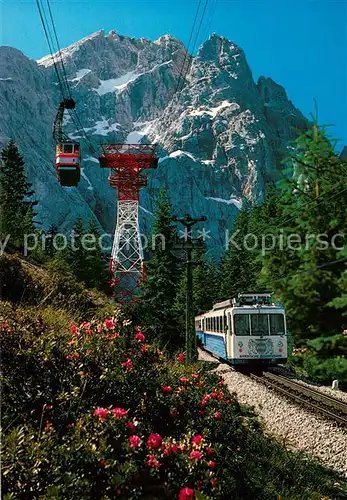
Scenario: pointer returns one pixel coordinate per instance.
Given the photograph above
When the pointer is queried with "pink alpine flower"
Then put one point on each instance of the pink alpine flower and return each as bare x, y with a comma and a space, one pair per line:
85, 325
212, 464
210, 451
140, 337
218, 415
127, 365
195, 376
109, 323
75, 356
101, 413
196, 440
166, 388
73, 329
171, 449
119, 412
152, 461
130, 425
186, 494
134, 441
181, 357
154, 441
195, 455
144, 348
102, 462
184, 380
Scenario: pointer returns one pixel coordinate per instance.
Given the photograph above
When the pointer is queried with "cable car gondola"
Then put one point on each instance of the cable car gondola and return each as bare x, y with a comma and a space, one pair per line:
68, 155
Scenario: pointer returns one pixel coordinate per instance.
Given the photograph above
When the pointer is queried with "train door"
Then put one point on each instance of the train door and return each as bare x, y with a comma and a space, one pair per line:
229, 335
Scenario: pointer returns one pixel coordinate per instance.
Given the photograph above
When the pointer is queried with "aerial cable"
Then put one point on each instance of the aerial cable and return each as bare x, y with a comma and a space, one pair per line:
72, 112
59, 50
50, 47
187, 50
194, 46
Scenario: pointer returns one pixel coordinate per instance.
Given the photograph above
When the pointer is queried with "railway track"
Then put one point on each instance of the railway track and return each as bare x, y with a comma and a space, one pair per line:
311, 399
317, 401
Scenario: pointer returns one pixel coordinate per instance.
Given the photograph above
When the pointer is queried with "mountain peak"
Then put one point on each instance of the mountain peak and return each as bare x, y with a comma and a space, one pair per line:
217, 46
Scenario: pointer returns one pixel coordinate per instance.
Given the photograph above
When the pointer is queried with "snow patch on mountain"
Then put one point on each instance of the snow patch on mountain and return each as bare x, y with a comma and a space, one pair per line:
103, 127
91, 158
201, 111
234, 200
90, 185
116, 84
177, 154
80, 74
136, 136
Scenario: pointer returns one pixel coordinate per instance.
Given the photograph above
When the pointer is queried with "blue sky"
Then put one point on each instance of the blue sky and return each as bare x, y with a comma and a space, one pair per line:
301, 44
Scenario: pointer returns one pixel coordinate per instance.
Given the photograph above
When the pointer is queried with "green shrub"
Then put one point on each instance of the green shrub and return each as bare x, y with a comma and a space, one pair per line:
93, 412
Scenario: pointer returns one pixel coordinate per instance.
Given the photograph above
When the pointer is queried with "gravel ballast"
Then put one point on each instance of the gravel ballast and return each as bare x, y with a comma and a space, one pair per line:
295, 426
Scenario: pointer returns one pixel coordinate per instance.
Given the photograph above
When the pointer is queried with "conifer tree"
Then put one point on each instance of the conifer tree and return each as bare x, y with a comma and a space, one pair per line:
16, 205
313, 201
77, 254
49, 246
237, 268
96, 262
162, 276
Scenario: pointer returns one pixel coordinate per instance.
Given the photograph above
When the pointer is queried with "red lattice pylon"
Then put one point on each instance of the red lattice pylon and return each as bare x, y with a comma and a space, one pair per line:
127, 163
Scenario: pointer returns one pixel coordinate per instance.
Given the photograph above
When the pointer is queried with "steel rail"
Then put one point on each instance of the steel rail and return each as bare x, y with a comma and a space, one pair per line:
294, 391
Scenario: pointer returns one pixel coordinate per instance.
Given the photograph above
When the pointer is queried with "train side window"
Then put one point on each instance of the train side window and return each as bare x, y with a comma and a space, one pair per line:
241, 324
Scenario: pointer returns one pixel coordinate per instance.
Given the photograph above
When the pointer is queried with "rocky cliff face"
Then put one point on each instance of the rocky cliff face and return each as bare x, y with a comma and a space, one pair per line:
219, 139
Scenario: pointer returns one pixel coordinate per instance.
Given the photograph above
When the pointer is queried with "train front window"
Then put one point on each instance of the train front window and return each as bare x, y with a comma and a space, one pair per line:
259, 324
241, 322
276, 324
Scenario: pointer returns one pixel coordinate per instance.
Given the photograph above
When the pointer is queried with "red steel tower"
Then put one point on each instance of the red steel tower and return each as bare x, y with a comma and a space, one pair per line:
127, 163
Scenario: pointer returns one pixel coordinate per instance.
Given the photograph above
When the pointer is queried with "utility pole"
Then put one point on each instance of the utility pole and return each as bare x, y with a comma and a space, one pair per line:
189, 222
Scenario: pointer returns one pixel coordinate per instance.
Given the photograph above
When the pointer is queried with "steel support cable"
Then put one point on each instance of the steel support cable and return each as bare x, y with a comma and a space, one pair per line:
49, 46
194, 46
187, 51
79, 125
59, 50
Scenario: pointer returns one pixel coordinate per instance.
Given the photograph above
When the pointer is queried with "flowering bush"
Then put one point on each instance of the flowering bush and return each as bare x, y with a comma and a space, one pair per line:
95, 412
